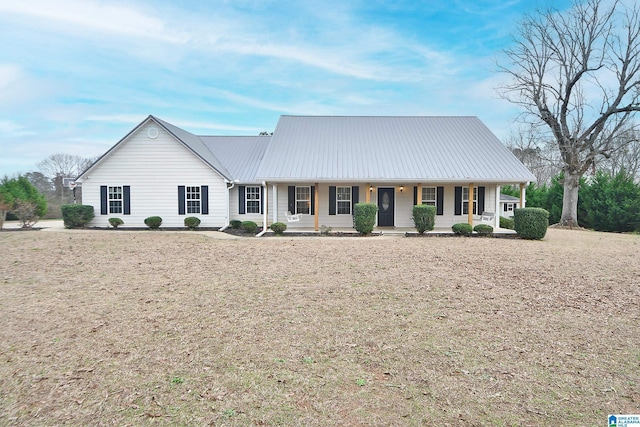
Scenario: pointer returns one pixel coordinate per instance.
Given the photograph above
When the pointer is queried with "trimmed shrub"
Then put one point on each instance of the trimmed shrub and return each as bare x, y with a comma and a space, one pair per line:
365, 217
325, 230
462, 229
191, 222
278, 228
531, 223
506, 223
153, 222
424, 218
235, 224
249, 227
76, 216
115, 222
483, 229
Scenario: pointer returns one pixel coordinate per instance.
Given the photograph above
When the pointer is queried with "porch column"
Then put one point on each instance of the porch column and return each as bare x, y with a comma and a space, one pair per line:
496, 218
522, 194
316, 218
470, 204
274, 193
367, 197
419, 198
266, 206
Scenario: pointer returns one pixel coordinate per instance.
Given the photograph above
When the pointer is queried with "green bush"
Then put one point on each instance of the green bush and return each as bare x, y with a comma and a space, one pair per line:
235, 224
76, 216
531, 223
249, 227
506, 223
191, 222
115, 222
612, 203
278, 228
365, 217
483, 229
462, 229
424, 218
153, 222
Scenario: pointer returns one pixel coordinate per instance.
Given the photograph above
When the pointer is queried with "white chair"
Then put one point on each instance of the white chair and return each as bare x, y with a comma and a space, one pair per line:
291, 217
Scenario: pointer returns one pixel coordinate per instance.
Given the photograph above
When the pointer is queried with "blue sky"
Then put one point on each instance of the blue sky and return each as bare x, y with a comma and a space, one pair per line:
78, 75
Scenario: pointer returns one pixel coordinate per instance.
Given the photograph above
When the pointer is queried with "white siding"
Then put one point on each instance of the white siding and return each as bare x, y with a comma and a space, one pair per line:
154, 168
403, 206
256, 217
308, 221
449, 218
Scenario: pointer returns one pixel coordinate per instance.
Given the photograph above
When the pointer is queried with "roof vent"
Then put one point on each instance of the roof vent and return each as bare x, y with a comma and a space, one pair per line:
152, 133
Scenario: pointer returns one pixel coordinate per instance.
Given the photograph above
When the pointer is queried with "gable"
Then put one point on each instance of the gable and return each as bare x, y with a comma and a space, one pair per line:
149, 151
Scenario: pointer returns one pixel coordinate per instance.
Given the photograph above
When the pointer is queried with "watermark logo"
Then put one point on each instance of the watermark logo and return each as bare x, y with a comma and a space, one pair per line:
624, 421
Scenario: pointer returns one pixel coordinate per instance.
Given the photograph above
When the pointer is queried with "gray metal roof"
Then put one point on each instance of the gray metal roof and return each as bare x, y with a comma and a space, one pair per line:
372, 148
240, 154
197, 146
508, 198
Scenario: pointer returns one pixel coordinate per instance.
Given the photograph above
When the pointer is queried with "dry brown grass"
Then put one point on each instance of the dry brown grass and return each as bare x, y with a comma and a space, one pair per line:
159, 328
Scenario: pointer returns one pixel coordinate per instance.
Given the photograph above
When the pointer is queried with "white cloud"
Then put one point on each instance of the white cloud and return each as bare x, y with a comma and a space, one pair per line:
12, 129
9, 73
116, 118
93, 15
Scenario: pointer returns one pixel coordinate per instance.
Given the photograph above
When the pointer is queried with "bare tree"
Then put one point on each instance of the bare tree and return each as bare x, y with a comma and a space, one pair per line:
577, 72
58, 166
67, 165
539, 155
625, 157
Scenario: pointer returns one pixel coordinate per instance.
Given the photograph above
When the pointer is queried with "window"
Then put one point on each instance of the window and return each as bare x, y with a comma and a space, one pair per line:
115, 200
252, 199
508, 207
465, 200
193, 200
343, 200
429, 196
303, 200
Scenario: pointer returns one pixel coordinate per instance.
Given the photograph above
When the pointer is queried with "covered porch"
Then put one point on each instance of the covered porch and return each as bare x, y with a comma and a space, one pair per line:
312, 208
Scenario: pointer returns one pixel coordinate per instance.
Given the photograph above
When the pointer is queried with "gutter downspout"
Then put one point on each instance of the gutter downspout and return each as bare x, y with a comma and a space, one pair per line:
264, 212
233, 184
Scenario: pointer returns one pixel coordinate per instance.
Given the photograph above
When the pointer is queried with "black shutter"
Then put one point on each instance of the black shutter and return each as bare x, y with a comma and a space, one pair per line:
458, 201
126, 194
332, 200
480, 200
313, 200
355, 195
103, 200
181, 200
204, 199
241, 200
261, 200
440, 200
415, 195
291, 205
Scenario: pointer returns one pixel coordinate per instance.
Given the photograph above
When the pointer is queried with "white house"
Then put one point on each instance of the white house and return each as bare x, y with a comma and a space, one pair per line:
315, 167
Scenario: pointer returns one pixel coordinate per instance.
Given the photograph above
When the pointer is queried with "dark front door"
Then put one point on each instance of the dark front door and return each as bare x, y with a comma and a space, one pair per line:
385, 206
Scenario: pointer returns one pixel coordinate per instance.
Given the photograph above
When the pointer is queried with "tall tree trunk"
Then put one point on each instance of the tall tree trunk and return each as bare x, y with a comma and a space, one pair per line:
570, 200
